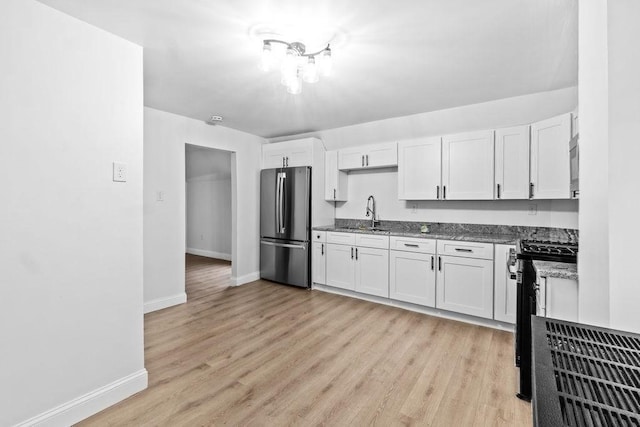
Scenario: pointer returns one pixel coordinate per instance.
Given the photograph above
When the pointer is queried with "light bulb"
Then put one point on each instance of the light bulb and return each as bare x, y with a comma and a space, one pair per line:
311, 71
289, 67
326, 63
295, 85
267, 57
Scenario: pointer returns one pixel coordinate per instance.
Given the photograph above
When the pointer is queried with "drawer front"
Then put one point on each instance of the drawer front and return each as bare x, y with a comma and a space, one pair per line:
465, 249
319, 236
372, 241
341, 238
412, 244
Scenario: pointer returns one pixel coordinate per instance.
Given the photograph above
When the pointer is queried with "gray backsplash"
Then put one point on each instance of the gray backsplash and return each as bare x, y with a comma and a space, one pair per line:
520, 231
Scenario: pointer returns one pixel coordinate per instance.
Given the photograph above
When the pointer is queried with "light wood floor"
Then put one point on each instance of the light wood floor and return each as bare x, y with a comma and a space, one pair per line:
267, 354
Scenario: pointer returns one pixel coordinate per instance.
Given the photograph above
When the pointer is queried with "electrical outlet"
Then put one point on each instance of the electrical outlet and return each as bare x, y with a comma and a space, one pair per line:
533, 209
414, 209
119, 172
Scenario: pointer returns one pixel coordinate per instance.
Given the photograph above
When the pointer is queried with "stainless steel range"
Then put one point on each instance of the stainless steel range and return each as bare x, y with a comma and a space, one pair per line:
527, 251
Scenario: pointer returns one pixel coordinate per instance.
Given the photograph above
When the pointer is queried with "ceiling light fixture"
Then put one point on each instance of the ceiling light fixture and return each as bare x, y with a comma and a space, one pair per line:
297, 65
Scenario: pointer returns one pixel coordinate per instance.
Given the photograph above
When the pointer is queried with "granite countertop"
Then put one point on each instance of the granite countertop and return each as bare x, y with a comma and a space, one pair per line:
562, 270
462, 236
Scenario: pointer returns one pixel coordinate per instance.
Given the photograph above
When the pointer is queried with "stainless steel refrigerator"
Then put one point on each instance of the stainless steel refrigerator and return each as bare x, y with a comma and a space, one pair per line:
285, 225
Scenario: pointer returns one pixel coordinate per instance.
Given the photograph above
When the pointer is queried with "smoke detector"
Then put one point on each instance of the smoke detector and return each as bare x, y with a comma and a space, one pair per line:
214, 120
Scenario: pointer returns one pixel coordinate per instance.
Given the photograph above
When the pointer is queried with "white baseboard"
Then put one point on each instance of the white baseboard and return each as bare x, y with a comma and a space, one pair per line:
160, 303
247, 278
209, 254
91, 403
495, 324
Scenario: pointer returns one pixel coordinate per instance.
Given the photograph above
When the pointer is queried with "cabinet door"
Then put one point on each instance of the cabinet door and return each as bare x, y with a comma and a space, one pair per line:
504, 299
340, 267
272, 156
300, 155
412, 277
335, 181
372, 271
351, 158
550, 158
465, 285
512, 163
419, 162
381, 155
318, 266
467, 166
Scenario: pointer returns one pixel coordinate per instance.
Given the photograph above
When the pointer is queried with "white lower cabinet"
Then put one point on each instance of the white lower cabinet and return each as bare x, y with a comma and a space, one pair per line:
465, 285
372, 271
504, 297
340, 266
319, 264
358, 268
412, 277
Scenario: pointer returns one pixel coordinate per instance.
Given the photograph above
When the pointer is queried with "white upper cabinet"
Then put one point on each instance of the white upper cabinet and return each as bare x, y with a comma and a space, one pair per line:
287, 154
467, 166
512, 163
335, 181
550, 158
419, 162
370, 156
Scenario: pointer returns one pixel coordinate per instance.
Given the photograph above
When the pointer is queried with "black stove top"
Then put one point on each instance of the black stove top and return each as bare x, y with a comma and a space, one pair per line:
585, 375
546, 250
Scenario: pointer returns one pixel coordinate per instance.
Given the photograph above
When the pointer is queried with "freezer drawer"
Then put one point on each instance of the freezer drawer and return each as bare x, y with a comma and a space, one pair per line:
285, 262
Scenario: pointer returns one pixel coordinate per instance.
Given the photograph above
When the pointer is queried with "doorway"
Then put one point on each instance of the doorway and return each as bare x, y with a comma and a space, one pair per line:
209, 218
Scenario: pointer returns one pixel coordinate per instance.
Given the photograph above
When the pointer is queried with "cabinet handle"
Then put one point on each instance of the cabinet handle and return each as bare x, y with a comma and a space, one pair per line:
356, 254
498, 191
444, 192
437, 192
363, 161
322, 249
439, 263
411, 245
463, 250
432, 262
367, 160
351, 253
531, 190
334, 194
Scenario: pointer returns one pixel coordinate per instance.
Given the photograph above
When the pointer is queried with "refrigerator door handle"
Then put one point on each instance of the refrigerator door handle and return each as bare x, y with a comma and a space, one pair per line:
280, 203
283, 245
283, 207
278, 196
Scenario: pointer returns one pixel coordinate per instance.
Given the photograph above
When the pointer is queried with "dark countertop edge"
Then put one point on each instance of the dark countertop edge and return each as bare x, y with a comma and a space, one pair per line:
560, 270
468, 237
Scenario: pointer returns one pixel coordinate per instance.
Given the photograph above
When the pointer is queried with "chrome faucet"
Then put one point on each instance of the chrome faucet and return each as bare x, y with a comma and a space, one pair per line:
372, 210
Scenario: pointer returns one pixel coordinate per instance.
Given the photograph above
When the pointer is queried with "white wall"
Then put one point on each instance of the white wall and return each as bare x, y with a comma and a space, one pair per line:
208, 202
593, 261
489, 115
624, 154
164, 221
383, 185
71, 248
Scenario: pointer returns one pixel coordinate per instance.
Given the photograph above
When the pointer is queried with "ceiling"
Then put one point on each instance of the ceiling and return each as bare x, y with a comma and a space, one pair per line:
397, 58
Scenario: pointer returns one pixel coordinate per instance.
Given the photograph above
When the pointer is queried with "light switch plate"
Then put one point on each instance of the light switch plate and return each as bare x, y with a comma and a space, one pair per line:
119, 172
